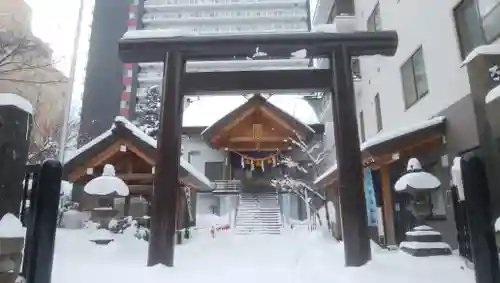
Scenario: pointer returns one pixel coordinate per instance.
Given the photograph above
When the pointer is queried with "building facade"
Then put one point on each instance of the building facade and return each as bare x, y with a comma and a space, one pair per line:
212, 17
31, 73
113, 88
104, 85
423, 82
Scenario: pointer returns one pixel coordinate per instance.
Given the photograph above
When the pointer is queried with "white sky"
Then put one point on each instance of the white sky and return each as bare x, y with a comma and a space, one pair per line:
54, 21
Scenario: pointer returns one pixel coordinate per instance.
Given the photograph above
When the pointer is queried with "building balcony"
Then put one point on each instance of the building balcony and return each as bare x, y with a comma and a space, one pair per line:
215, 20
326, 11
226, 6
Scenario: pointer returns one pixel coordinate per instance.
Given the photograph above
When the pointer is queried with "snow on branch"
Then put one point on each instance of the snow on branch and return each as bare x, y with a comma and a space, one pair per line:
148, 111
300, 178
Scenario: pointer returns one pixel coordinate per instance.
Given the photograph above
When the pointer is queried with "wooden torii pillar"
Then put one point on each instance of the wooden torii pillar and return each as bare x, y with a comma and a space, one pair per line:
175, 51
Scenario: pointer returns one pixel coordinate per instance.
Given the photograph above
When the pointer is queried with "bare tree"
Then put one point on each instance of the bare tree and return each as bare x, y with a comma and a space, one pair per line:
24, 59
302, 184
45, 139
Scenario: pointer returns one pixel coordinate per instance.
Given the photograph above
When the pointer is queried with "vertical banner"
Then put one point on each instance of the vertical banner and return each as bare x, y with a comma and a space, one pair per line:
371, 203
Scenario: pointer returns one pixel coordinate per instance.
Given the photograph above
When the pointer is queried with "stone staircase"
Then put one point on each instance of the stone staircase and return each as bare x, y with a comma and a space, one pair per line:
258, 213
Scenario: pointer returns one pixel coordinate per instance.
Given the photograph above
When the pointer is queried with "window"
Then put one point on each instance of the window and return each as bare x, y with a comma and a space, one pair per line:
191, 154
414, 78
378, 113
476, 23
362, 126
374, 21
356, 68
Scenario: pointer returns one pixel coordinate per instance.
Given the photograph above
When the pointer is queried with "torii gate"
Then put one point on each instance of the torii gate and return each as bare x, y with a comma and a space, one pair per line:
176, 50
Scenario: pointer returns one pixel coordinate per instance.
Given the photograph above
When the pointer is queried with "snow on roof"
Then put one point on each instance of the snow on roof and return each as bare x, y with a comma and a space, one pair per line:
136, 131
489, 49
386, 136
325, 174
144, 137
90, 144
157, 33
208, 110
497, 225
493, 94
11, 227
17, 101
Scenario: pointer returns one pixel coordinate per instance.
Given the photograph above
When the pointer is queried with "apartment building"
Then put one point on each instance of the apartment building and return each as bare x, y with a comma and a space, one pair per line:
30, 72
421, 90
112, 88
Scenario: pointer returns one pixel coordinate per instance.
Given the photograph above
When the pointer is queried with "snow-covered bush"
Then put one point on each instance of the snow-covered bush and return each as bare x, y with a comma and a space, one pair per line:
127, 225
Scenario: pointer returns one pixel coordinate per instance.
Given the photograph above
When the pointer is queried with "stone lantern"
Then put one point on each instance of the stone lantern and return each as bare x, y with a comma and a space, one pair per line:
106, 186
421, 240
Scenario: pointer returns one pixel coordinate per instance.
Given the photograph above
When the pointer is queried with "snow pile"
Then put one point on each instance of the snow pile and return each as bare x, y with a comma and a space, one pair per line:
10, 99
296, 257
497, 225
299, 54
157, 33
205, 221
107, 184
341, 24
490, 49
493, 94
11, 227
424, 245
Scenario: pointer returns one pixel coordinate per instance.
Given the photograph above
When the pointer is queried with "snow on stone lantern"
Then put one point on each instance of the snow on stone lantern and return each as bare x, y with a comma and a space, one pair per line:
421, 240
106, 187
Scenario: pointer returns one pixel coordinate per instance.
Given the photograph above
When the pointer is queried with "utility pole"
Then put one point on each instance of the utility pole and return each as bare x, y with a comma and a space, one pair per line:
72, 71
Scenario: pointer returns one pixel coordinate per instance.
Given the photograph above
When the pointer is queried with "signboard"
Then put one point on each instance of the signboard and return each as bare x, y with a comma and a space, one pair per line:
371, 203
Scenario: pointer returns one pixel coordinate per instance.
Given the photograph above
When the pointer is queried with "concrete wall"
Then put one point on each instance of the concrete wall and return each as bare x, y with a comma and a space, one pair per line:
201, 153
437, 35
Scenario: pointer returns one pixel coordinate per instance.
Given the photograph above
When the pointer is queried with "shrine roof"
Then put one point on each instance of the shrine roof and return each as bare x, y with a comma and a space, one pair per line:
122, 129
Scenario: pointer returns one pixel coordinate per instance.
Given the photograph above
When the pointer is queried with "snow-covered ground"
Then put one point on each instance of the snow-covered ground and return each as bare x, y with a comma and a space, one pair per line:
294, 257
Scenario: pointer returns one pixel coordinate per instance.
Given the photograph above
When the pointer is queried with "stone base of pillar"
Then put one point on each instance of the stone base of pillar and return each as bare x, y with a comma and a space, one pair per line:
424, 241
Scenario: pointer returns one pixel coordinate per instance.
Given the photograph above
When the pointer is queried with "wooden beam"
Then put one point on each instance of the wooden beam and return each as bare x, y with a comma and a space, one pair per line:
224, 131
135, 176
269, 149
277, 119
388, 205
275, 81
140, 188
262, 139
149, 160
99, 159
